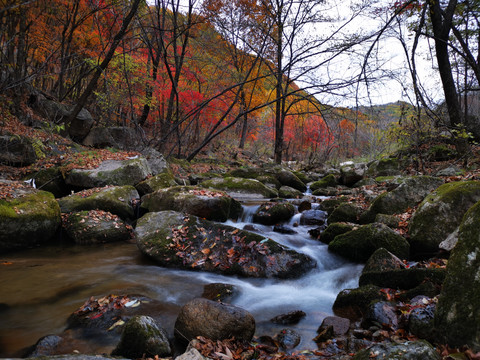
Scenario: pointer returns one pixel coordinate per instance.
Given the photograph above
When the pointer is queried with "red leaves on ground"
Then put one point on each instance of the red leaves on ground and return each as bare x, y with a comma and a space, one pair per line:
95, 308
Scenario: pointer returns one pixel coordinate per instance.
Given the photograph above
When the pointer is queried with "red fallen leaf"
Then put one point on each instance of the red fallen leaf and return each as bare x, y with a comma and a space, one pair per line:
230, 252
205, 251
96, 316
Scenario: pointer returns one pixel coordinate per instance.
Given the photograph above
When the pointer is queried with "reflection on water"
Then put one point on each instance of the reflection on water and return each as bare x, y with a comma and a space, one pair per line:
41, 287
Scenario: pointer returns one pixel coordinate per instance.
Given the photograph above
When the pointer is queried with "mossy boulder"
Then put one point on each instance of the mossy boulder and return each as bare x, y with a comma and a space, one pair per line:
110, 172
272, 213
411, 191
207, 204
50, 180
184, 241
288, 178
353, 303
383, 260
329, 205
270, 181
457, 317
402, 278
361, 243
333, 230
439, 214
327, 181
16, 151
246, 173
409, 350
384, 167
28, 216
240, 188
287, 192
157, 182
351, 173
118, 200
345, 212
141, 337
95, 227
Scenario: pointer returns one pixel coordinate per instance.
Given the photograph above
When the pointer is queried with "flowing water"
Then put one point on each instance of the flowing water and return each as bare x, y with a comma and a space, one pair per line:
40, 288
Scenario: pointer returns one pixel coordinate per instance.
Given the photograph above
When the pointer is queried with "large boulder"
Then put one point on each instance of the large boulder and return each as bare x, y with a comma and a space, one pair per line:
325, 182
157, 182
119, 137
50, 180
240, 188
141, 337
204, 203
351, 173
361, 243
272, 213
176, 240
411, 191
213, 320
384, 167
287, 192
353, 303
118, 200
313, 217
457, 317
346, 212
27, 216
95, 227
439, 214
333, 230
110, 172
16, 151
409, 350
287, 178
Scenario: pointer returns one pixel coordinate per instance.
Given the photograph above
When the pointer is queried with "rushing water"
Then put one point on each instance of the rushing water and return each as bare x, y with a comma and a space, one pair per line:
40, 288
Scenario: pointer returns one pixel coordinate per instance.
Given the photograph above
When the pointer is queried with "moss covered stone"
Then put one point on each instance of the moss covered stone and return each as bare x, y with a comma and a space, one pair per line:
352, 303
333, 230
246, 173
329, 205
287, 192
409, 350
439, 214
402, 278
384, 167
288, 178
51, 180
270, 181
177, 240
157, 182
239, 187
28, 218
458, 311
271, 213
361, 243
117, 200
208, 204
327, 181
345, 212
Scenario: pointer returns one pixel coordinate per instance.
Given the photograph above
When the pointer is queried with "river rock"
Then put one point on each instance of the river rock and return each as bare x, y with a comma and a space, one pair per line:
458, 310
288, 338
176, 240
95, 227
382, 260
421, 320
325, 182
213, 320
287, 178
247, 173
271, 182
411, 191
352, 173
333, 230
291, 318
201, 202
110, 172
381, 314
16, 151
340, 325
191, 354
384, 167
157, 182
46, 346
272, 213
402, 278
409, 350
240, 188
361, 243
313, 217
287, 192
440, 214
50, 180
345, 212
352, 303
118, 200
219, 292
142, 337
283, 229
28, 216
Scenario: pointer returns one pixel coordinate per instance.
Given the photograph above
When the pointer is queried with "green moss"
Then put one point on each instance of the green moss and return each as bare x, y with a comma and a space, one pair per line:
333, 230
352, 303
327, 181
345, 212
240, 185
273, 213
301, 175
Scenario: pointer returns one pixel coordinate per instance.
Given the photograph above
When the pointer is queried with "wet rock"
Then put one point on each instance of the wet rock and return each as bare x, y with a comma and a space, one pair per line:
95, 227
213, 320
288, 338
51, 180
110, 172
287, 192
340, 325
329, 205
191, 354
219, 292
352, 173
141, 337
333, 230
383, 260
215, 247
391, 221
352, 303
118, 200
346, 212
46, 346
446, 206
204, 203
313, 217
402, 278
316, 232
16, 151
304, 205
240, 188
458, 310
283, 229
360, 244
324, 334
157, 182
287, 178
421, 321
382, 315
28, 216
325, 182
271, 213
409, 350
290, 318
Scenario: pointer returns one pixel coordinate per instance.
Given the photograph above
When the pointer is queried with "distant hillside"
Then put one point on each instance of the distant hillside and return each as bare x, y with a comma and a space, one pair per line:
387, 113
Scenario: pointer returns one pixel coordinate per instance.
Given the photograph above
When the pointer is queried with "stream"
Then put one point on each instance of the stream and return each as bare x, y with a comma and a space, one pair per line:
41, 287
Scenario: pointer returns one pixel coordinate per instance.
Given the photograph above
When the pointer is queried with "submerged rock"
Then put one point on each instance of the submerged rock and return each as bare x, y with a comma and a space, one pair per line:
213, 320
176, 240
